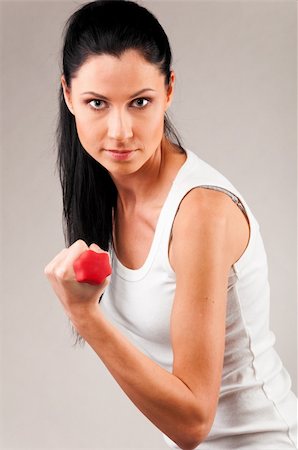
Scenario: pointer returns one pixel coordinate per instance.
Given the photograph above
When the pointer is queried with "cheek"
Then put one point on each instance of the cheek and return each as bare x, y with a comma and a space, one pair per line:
87, 133
153, 126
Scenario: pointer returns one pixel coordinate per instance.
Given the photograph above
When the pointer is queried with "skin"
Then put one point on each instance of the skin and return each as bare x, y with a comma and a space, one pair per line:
209, 232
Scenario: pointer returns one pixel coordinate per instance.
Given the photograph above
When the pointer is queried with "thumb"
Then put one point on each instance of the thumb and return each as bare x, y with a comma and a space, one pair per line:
95, 248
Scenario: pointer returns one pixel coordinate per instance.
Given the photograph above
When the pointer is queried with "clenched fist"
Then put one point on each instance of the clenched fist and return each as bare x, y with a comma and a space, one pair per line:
77, 298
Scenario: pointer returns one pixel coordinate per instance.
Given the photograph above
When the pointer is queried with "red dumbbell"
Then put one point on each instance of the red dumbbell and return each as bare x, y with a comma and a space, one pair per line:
92, 267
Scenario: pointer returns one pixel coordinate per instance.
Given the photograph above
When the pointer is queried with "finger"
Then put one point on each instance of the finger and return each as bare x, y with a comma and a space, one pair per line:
79, 244
74, 251
59, 266
96, 248
50, 267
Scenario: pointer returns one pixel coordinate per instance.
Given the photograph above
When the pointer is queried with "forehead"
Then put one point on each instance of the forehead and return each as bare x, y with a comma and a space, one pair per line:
128, 73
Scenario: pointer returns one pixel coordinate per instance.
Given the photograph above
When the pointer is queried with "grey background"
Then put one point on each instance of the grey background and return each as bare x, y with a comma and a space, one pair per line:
234, 105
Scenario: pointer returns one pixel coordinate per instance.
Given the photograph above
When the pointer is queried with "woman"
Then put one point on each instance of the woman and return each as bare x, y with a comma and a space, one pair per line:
182, 322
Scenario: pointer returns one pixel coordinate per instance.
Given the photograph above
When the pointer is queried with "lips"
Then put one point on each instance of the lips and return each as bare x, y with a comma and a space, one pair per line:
120, 155
119, 151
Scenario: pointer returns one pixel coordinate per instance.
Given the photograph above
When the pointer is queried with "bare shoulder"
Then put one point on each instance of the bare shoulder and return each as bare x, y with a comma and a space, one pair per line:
211, 213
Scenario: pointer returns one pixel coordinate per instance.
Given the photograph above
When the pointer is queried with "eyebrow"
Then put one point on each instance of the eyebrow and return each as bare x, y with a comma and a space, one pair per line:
106, 98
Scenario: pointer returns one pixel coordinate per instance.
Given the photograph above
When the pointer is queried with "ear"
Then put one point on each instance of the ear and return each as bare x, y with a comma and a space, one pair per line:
170, 91
67, 94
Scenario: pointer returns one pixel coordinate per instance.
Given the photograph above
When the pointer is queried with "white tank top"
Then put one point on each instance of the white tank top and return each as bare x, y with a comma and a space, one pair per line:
256, 409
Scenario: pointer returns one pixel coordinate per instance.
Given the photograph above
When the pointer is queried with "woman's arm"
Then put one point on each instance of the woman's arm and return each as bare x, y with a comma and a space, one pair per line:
182, 404
210, 234
162, 397
157, 393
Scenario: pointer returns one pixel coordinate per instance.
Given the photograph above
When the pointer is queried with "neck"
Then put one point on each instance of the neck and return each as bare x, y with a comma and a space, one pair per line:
141, 187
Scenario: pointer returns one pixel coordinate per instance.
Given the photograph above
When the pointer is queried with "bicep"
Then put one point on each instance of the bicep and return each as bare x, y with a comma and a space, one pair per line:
201, 261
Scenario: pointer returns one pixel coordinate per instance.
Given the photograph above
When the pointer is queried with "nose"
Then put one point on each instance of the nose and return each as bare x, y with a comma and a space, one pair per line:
119, 125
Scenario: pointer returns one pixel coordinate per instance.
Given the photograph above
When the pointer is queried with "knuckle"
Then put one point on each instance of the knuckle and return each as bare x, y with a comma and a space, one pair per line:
61, 273
80, 243
47, 270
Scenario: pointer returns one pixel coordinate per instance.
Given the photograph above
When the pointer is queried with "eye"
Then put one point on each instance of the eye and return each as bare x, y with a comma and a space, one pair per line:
142, 99
97, 104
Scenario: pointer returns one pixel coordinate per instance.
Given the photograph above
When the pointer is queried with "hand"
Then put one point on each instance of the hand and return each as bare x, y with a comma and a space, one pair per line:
76, 298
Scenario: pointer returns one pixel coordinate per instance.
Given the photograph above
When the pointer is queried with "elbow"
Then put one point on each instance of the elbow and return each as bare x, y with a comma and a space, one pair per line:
190, 444
193, 439
189, 436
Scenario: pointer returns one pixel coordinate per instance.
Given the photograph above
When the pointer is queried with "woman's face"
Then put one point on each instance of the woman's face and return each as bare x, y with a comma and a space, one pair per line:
111, 112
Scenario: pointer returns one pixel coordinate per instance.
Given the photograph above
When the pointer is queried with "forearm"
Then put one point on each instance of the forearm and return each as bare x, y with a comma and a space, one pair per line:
162, 397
